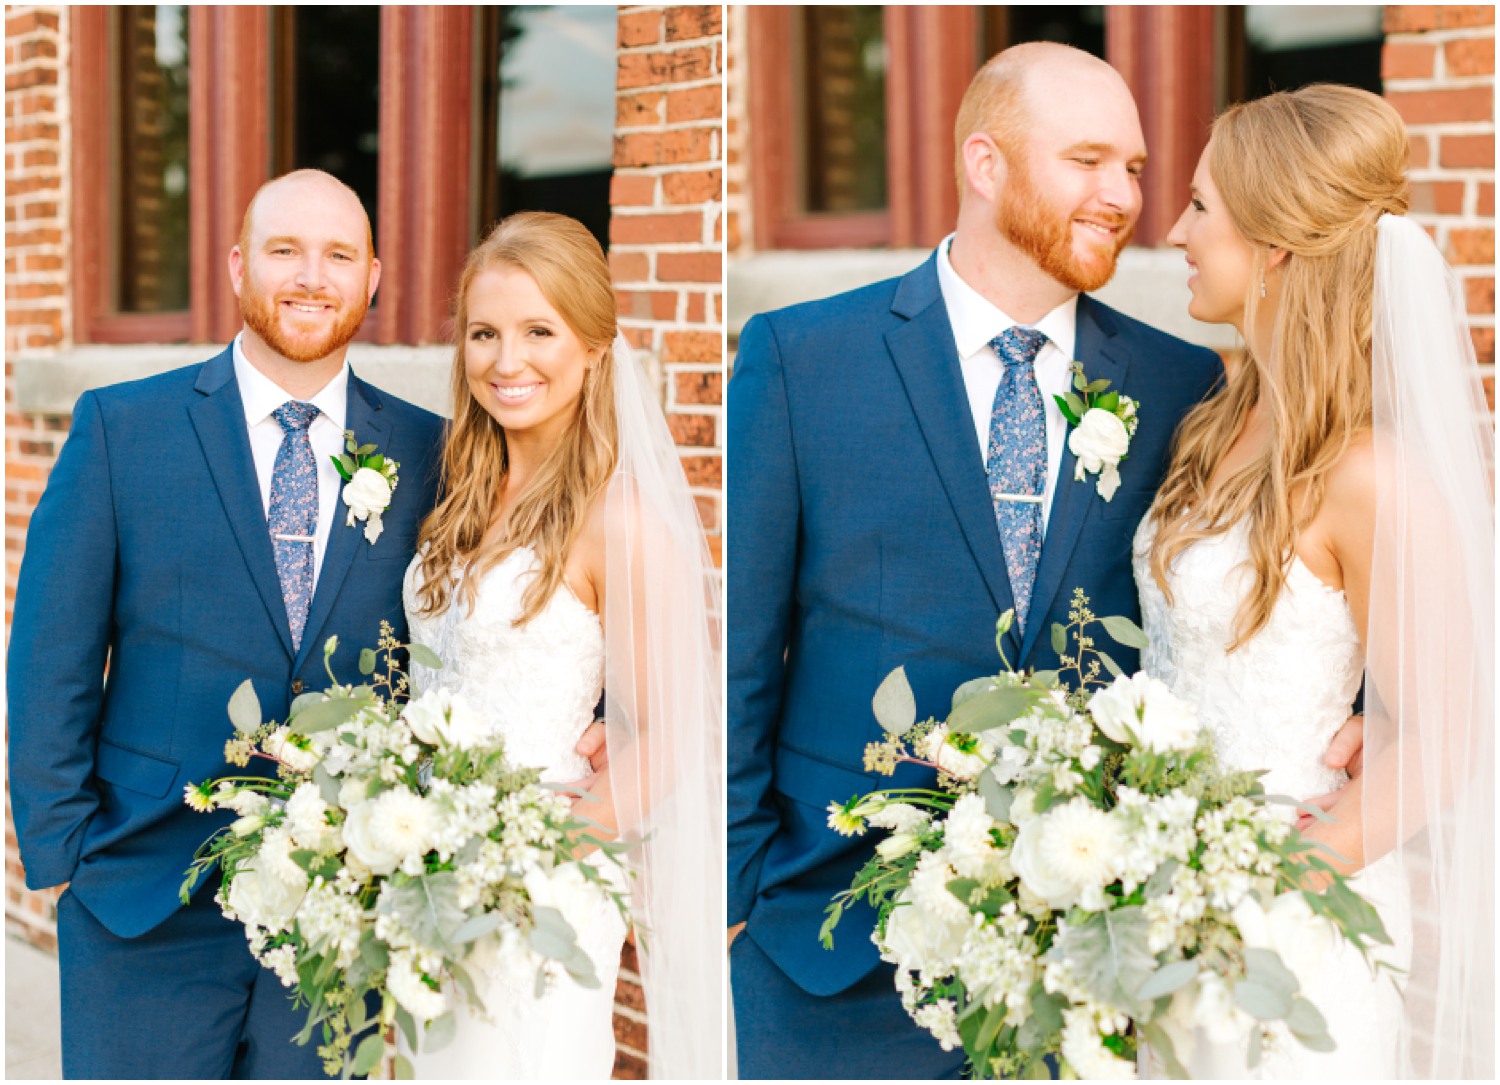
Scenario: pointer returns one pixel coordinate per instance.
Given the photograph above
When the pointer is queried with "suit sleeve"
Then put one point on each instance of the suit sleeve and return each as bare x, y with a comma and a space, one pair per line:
59, 645
762, 569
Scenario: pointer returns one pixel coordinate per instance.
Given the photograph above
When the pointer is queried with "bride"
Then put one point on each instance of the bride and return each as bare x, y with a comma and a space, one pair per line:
565, 557
1327, 520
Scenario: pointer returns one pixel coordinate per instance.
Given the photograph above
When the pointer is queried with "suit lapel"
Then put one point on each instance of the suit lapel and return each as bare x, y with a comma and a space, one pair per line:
344, 542
1102, 357
928, 364
219, 418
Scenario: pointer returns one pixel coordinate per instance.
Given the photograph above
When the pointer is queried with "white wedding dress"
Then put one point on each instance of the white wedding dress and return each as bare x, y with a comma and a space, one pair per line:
1275, 704
539, 684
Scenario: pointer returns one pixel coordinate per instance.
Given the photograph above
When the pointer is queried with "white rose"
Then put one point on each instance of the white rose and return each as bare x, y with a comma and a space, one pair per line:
366, 845
1298, 935
280, 745
427, 715
1141, 710
1099, 440
921, 940
1068, 853
406, 987
367, 494
258, 898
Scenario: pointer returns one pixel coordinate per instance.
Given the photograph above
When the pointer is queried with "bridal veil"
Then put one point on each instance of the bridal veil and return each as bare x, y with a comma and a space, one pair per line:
663, 697
1429, 778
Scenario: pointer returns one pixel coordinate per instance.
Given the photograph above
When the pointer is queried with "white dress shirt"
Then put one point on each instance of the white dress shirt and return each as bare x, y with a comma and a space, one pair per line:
261, 397
975, 321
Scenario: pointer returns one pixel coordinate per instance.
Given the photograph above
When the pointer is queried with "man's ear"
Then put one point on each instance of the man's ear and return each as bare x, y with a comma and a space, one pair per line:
236, 269
984, 166
374, 279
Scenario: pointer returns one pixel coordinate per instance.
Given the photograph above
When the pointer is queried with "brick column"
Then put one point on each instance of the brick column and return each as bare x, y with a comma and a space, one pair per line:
37, 318
667, 225
1439, 72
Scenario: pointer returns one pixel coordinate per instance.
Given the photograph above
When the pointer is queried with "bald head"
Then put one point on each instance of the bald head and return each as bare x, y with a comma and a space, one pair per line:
303, 188
1018, 91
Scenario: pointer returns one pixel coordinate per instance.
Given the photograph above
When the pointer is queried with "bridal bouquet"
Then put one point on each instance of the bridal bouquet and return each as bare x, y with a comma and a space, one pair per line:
1087, 876
394, 841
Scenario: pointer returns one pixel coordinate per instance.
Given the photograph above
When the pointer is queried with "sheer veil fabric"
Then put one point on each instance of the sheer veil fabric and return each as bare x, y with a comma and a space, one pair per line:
1429, 780
663, 697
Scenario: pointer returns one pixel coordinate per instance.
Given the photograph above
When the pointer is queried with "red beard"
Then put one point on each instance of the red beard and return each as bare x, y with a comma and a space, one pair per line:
262, 314
1044, 233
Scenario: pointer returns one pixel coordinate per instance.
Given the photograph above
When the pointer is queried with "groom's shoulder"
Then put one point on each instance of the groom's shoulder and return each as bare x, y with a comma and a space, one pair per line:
153, 395
843, 318
403, 413
1162, 347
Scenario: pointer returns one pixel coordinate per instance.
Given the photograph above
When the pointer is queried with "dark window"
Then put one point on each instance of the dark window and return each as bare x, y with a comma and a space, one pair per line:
326, 95
547, 115
1282, 48
150, 266
843, 105
1078, 25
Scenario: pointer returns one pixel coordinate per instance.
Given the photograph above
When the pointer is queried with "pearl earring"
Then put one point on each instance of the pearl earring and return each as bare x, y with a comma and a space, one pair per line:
1262, 285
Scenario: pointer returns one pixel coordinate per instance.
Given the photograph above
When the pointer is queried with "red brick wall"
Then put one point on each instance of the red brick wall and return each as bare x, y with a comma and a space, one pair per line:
36, 319
1439, 71
667, 228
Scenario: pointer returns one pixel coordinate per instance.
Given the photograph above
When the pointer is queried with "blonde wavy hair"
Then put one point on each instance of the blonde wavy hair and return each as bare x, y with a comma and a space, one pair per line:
1309, 172
569, 268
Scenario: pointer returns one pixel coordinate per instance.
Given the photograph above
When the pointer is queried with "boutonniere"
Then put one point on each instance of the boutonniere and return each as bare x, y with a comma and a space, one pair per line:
370, 480
1103, 423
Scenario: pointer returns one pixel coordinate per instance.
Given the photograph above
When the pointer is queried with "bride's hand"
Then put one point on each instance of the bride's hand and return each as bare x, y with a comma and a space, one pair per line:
602, 809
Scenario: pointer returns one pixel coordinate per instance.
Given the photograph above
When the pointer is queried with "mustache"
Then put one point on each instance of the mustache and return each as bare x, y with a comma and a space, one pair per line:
309, 299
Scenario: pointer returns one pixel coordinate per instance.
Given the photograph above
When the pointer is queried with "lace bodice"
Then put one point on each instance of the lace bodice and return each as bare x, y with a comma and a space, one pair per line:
1277, 701
538, 683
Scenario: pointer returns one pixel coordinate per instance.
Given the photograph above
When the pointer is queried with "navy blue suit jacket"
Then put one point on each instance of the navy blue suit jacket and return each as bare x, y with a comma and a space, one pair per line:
149, 554
863, 538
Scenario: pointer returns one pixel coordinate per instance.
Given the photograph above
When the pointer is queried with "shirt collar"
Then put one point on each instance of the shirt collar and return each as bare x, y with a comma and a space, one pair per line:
976, 320
262, 396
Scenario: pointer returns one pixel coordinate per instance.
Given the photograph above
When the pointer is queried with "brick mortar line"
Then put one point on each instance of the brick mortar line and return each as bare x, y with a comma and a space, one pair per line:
682, 84
1447, 34
671, 247
631, 1014
669, 167
1438, 82
620, 1045
1450, 128
669, 46
639, 210
674, 126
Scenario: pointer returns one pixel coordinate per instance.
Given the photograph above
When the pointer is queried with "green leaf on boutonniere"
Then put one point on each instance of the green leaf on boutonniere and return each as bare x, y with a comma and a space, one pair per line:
1109, 401
1094, 388
1067, 412
1077, 406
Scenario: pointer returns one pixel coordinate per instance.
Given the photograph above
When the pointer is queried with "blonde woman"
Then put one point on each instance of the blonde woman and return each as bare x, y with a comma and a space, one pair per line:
1327, 522
565, 557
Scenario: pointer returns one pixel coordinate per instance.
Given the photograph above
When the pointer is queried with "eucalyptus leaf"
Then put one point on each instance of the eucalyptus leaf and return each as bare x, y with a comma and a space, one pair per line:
424, 655
1308, 808
1306, 1019
991, 1028
1076, 405
1262, 1001
1167, 979
1108, 952
1037, 1070
328, 787
971, 688
428, 908
408, 1026
356, 1012
1080, 382
1265, 966
403, 1069
1160, 881
465, 982
302, 700
1046, 1008
997, 797
326, 715
1097, 387
986, 711
476, 926
581, 967
894, 704
552, 936
1046, 678
373, 952
367, 661
1257, 1046
1125, 631
367, 1055
1059, 638
244, 709
1109, 664
347, 463
1162, 1047
364, 450
440, 1033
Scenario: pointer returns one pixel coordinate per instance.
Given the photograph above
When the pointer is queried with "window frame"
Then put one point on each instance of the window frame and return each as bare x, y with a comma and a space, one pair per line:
424, 218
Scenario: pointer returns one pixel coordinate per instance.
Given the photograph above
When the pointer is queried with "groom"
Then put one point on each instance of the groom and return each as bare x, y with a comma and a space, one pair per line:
191, 536
888, 447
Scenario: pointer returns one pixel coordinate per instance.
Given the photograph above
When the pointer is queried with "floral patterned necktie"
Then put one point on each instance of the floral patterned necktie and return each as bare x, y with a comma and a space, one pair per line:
294, 512
1016, 463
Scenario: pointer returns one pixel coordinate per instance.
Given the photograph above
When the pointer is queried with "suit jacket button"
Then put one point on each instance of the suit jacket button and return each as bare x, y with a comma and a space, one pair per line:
296, 687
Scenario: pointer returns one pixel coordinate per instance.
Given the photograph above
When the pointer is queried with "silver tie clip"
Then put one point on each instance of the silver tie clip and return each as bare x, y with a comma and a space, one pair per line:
1030, 499
292, 538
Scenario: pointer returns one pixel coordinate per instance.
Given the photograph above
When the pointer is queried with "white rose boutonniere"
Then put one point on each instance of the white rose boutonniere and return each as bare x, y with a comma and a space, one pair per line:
370, 480
1103, 423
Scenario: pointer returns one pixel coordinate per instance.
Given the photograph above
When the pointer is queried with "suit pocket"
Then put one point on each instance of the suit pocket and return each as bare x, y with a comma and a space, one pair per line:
815, 782
134, 771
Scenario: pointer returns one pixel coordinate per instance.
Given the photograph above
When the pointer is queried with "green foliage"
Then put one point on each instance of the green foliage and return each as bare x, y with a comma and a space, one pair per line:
894, 704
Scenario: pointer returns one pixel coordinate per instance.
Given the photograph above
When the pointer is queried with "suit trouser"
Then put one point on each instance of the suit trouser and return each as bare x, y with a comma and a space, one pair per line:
185, 1000
863, 1033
